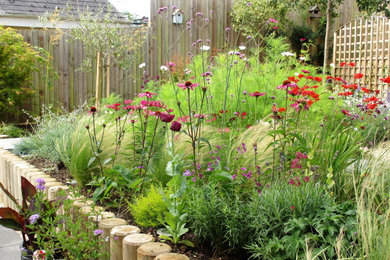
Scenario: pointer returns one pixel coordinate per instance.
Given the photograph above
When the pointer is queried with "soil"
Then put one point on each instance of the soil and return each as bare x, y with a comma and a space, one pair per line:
61, 174
57, 171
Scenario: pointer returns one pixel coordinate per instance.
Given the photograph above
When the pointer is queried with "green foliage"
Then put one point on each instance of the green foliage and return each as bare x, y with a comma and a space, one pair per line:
12, 131
17, 62
175, 219
286, 218
50, 128
218, 217
75, 240
371, 7
149, 209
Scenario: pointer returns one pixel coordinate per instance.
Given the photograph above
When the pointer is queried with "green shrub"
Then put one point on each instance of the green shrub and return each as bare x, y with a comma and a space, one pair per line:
11, 130
287, 219
17, 62
149, 209
217, 216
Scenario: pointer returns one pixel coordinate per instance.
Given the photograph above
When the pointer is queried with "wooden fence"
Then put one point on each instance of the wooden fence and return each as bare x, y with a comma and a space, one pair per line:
174, 42
65, 85
366, 43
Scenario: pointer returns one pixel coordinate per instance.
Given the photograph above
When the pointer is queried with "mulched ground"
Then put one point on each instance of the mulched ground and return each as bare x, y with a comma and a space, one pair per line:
61, 174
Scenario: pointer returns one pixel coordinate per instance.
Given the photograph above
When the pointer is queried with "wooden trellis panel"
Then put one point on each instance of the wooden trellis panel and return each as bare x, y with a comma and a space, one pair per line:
366, 43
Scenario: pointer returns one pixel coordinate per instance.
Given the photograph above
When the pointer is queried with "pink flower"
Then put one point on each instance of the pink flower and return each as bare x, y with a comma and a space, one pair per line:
292, 207
256, 94
166, 118
147, 94
272, 20
128, 101
188, 85
175, 126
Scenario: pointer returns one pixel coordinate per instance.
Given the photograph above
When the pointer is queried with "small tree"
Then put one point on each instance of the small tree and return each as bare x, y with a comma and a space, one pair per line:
108, 42
17, 62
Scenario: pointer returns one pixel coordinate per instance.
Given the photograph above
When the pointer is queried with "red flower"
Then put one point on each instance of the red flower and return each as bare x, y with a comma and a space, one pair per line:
256, 94
342, 64
175, 126
243, 115
318, 79
358, 76
114, 106
386, 80
92, 110
292, 207
352, 64
166, 118
281, 109
223, 112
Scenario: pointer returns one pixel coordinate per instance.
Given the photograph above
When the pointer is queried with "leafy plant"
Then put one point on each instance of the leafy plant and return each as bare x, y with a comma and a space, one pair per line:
175, 219
149, 209
18, 60
11, 130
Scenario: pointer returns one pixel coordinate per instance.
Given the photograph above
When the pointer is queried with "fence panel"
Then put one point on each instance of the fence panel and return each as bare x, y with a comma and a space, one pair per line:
366, 43
64, 84
174, 42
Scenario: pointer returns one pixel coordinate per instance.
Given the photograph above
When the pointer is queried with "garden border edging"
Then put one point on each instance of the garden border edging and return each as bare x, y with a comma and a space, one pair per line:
12, 168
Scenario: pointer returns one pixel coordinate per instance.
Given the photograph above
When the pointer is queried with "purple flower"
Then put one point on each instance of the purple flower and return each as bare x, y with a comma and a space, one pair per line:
228, 29
98, 232
33, 218
306, 71
187, 173
41, 184
245, 92
234, 176
249, 37
199, 14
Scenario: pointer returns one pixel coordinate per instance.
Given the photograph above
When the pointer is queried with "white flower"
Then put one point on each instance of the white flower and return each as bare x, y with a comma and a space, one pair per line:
296, 74
142, 65
164, 68
332, 65
187, 71
302, 58
205, 48
242, 47
286, 53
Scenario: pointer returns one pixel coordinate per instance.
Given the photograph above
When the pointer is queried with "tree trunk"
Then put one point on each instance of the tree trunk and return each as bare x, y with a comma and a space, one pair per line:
327, 33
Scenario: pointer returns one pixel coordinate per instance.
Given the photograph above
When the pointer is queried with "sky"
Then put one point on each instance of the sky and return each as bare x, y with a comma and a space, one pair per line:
137, 7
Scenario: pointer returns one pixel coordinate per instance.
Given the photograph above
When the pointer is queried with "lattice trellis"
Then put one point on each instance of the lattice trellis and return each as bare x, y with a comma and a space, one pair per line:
366, 43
